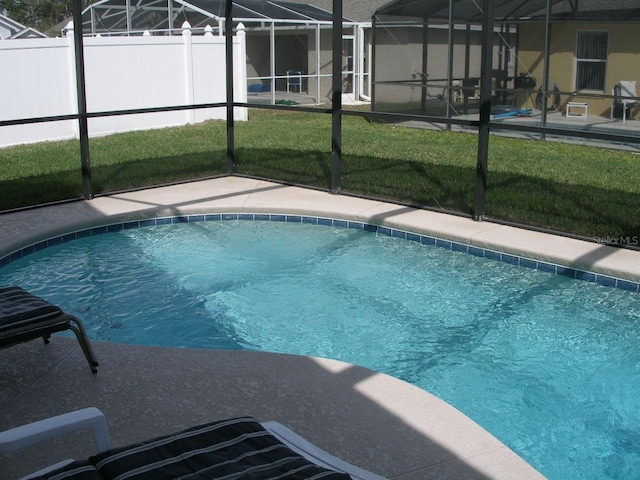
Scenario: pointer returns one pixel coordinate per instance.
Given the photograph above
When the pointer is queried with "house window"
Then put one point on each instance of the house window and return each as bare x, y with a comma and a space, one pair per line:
591, 60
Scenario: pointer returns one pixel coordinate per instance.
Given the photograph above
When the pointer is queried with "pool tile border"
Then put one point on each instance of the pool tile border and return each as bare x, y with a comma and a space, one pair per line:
583, 275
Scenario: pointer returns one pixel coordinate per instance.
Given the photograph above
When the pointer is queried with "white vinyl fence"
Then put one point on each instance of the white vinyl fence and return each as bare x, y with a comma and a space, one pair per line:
37, 79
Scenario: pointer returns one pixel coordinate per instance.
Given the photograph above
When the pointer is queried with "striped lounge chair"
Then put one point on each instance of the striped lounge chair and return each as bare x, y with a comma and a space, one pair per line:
25, 317
236, 448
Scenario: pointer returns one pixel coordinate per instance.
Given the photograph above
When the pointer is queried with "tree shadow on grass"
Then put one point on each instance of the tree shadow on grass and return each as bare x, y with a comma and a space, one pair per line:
393, 179
312, 168
159, 170
578, 209
415, 183
106, 178
40, 189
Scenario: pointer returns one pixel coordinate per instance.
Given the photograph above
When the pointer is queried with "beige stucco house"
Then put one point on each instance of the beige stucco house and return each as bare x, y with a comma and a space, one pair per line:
586, 60
577, 51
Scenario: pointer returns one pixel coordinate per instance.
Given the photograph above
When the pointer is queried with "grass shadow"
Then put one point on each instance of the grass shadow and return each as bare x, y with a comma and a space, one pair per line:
589, 211
592, 212
524, 199
159, 170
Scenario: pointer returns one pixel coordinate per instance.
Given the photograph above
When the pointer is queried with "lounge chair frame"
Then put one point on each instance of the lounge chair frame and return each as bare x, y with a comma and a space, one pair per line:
25, 317
24, 436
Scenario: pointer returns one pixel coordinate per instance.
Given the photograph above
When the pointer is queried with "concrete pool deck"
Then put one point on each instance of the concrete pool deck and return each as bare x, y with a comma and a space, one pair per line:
370, 419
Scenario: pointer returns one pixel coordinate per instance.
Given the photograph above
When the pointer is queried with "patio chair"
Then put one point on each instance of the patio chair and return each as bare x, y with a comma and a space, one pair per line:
294, 80
25, 317
624, 99
231, 448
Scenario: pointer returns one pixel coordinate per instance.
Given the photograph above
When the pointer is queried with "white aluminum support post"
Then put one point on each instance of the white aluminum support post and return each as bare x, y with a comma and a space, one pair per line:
272, 66
188, 66
318, 65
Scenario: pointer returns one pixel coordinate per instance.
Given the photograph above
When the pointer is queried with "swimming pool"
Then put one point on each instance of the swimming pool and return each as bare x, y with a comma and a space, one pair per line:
546, 363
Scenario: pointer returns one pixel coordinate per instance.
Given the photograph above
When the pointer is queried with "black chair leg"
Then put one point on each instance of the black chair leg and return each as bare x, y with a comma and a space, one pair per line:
81, 335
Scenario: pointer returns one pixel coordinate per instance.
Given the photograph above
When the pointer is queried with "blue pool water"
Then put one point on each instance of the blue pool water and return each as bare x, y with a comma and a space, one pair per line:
548, 364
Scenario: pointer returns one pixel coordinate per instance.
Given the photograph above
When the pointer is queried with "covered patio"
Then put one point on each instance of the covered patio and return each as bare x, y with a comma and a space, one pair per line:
542, 58
288, 44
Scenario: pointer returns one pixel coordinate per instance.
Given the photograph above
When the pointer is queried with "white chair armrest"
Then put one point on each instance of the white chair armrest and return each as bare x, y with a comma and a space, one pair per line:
315, 454
33, 433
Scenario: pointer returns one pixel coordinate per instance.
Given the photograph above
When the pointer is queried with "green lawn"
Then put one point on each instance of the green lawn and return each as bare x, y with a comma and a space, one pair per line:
575, 189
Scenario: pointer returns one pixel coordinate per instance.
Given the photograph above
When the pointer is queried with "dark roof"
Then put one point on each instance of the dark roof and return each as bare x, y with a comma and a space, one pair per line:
512, 11
358, 10
18, 30
264, 9
153, 15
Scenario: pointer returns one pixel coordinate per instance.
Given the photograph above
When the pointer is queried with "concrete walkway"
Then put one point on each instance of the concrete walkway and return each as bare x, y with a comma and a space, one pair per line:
367, 418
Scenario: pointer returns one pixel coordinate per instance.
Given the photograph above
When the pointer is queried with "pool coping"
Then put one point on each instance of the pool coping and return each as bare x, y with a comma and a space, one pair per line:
516, 260
603, 264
